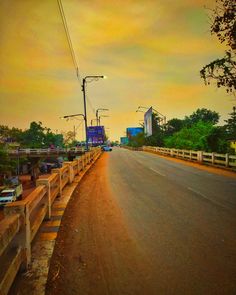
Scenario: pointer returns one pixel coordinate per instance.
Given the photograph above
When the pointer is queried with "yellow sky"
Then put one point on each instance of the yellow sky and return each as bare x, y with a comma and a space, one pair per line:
151, 51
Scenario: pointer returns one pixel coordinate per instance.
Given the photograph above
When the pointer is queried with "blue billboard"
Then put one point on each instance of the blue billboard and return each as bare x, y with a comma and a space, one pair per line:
95, 134
133, 131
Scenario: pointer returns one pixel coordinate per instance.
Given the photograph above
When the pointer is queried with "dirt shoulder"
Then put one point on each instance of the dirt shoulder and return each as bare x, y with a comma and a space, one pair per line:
94, 251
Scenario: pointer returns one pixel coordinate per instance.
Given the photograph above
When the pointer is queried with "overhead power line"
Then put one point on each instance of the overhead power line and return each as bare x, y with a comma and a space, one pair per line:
69, 39
73, 55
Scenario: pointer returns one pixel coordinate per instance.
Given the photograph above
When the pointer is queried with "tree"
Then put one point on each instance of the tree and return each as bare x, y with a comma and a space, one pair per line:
217, 140
231, 125
53, 139
7, 166
69, 137
223, 70
203, 115
34, 136
200, 136
10, 135
156, 139
173, 125
138, 140
38, 136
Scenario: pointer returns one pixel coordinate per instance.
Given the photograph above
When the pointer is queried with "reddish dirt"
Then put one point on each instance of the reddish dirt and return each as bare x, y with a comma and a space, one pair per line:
94, 252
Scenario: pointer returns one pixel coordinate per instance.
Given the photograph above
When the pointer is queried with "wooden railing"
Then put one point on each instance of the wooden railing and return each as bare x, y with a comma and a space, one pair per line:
222, 160
23, 218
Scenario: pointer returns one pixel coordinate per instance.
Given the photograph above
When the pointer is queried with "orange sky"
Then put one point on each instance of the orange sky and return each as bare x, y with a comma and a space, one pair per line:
151, 51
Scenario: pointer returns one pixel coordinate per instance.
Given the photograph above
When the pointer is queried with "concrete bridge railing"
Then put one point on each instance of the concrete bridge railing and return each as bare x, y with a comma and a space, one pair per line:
23, 218
222, 160
48, 151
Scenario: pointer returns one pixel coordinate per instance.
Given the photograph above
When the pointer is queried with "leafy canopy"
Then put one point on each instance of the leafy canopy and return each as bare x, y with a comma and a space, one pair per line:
223, 70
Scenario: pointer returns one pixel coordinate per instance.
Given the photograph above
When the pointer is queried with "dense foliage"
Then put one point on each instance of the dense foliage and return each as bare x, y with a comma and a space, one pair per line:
231, 125
36, 136
195, 132
223, 70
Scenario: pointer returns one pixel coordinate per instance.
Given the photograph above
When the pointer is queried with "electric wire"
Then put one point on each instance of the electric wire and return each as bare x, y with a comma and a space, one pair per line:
62, 12
73, 55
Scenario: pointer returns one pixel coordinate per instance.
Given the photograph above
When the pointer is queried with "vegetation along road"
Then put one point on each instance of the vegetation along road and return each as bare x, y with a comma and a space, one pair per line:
143, 224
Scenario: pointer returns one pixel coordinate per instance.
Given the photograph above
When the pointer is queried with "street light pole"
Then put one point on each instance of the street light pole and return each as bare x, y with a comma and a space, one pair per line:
99, 119
92, 121
85, 107
71, 116
85, 113
97, 114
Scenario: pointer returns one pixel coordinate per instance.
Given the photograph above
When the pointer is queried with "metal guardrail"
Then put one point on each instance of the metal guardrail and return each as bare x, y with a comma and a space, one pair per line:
222, 160
23, 218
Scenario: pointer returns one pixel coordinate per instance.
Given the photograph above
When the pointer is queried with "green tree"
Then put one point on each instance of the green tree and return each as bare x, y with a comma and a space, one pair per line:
203, 115
231, 125
200, 136
38, 136
217, 140
7, 166
138, 140
173, 125
34, 137
53, 139
10, 134
223, 70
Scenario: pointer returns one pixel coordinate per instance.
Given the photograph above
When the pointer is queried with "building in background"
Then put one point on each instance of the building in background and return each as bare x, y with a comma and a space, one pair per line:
124, 140
133, 131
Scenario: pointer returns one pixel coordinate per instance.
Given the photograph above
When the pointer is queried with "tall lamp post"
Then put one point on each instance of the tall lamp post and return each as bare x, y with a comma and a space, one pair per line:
92, 121
99, 119
97, 111
70, 116
85, 79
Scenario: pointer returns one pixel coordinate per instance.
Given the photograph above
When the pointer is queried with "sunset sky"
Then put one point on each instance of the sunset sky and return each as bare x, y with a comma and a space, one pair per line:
151, 51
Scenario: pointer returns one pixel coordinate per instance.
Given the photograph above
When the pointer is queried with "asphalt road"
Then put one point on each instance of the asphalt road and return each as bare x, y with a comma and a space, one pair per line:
184, 219
147, 225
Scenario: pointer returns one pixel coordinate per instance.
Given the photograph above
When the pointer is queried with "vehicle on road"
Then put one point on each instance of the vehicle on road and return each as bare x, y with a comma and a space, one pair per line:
106, 148
11, 194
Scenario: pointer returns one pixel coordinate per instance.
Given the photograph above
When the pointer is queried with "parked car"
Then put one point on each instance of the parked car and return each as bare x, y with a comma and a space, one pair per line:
106, 148
11, 194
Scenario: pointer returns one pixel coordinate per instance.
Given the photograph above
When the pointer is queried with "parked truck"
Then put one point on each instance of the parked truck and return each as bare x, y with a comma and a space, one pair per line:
11, 194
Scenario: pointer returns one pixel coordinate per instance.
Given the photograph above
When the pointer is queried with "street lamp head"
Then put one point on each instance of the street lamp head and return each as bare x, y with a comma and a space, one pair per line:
94, 77
70, 116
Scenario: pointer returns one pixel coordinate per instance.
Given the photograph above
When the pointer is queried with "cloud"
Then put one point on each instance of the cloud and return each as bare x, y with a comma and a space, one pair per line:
151, 51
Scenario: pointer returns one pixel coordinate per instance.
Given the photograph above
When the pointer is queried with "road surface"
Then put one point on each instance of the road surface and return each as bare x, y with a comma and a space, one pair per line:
142, 224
